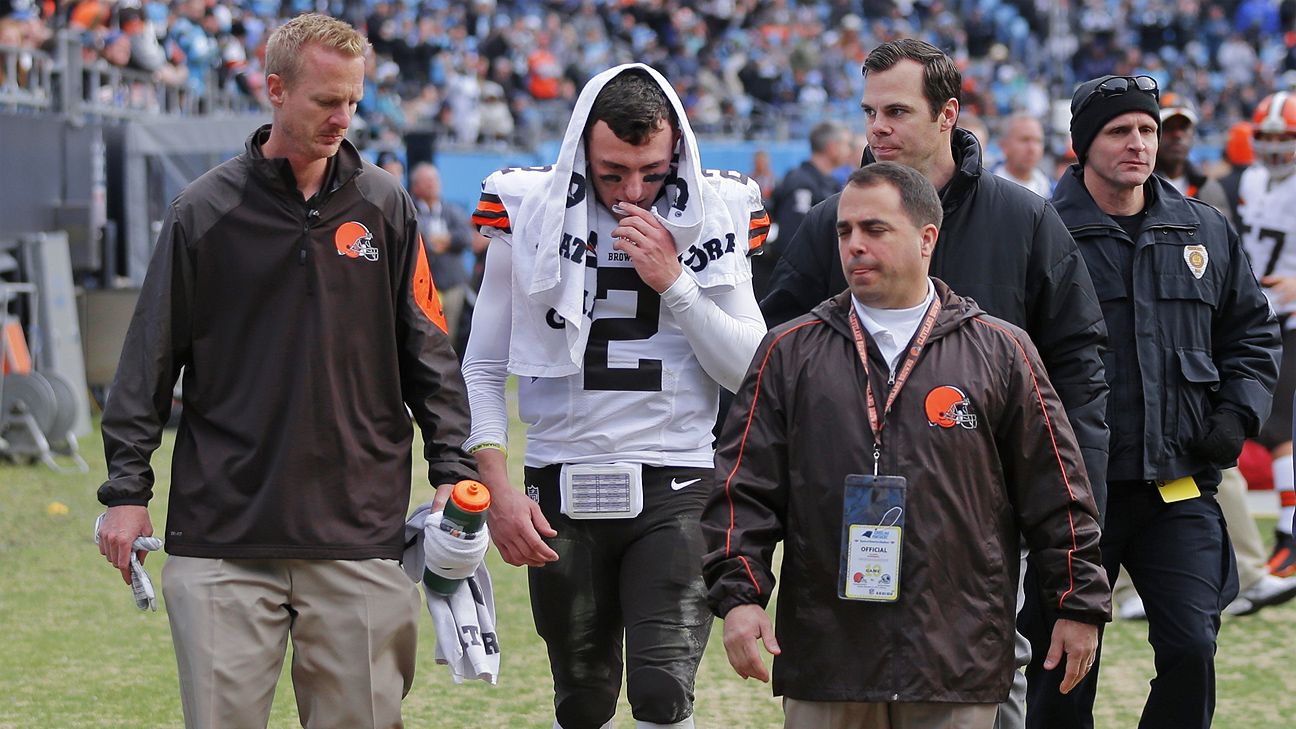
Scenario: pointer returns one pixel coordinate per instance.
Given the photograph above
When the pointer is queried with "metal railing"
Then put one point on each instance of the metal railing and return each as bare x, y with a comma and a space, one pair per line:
27, 80
34, 80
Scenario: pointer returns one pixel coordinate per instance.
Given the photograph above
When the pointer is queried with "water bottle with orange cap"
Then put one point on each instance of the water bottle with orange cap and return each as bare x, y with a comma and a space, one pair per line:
465, 513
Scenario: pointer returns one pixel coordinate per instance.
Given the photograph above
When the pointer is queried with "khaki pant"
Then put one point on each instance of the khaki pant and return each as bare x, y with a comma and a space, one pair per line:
851, 715
353, 625
1248, 546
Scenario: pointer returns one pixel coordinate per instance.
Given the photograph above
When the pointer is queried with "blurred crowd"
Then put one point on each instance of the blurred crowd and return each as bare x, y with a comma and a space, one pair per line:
497, 72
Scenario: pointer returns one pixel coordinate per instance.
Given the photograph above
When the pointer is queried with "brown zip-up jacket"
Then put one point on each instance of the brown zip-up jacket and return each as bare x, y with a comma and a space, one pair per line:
305, 330
1001, 463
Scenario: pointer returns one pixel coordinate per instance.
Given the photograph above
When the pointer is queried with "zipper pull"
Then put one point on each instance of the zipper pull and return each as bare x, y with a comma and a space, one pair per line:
312, 215
877, 456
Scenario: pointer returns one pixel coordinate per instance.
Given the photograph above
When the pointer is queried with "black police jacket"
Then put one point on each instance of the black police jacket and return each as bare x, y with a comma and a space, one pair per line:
1195, 332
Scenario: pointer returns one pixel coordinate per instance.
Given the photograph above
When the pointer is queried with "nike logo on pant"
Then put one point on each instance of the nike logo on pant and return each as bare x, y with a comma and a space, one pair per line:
676, 485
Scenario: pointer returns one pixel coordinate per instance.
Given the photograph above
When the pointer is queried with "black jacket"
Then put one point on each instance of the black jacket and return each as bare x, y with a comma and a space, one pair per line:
1187, 338
1009, 466
802, 188
303, 337
1004, 247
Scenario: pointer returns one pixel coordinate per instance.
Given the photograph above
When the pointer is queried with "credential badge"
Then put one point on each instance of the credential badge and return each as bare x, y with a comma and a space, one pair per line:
1196, 258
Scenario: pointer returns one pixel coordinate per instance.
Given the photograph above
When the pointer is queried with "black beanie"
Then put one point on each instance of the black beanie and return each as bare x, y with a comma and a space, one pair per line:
1102, 109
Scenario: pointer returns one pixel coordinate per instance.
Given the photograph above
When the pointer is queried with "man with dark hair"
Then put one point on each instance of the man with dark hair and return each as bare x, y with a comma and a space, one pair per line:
1178, 133
1001, 246
967, 447
291, 287
1192, 369
634, 109
618, 290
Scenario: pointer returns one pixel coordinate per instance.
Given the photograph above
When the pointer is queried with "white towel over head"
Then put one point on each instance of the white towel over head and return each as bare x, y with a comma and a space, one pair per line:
546, 283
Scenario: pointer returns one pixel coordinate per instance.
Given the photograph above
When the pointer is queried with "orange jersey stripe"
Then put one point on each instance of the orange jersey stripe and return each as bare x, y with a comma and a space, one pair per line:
758, 230
502, 224
490, 213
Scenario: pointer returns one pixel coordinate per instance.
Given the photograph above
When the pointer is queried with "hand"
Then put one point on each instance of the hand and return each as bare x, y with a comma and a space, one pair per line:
117, 533
650, 246
1284, 287
743, 625
516, 522
442, 496
1079, 641
1224, 438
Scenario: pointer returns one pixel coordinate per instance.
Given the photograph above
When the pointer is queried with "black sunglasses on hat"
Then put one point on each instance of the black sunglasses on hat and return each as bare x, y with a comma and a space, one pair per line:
1117, 85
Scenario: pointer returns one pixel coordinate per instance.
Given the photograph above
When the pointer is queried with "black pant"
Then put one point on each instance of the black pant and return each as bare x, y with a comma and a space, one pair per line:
637, 580
1179, 557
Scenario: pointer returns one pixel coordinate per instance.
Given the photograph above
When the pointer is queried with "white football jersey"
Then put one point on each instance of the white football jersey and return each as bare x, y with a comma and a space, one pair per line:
1268, 219
641, 395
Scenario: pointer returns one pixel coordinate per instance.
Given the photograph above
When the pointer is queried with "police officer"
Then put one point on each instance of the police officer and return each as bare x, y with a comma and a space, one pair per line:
1192, 363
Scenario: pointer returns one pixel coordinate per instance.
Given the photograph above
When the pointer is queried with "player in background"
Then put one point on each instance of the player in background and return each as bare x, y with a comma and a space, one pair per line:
1267, 208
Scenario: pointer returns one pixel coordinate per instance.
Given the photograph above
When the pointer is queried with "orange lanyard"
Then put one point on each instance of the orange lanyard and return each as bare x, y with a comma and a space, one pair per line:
876, 422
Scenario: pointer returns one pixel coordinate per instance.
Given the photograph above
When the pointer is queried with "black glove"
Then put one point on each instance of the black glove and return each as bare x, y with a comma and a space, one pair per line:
1222, 443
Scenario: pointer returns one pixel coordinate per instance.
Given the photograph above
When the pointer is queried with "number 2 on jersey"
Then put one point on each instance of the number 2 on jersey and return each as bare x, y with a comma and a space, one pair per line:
599, 375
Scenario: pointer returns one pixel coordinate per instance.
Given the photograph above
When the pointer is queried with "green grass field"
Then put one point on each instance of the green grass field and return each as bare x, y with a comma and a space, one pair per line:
77, 653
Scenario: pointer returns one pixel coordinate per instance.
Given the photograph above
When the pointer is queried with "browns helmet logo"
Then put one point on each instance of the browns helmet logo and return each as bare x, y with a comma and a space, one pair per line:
353, 240
947, 406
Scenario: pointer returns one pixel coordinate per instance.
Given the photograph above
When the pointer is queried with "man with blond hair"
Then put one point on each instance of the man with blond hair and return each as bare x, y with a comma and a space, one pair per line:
291, 285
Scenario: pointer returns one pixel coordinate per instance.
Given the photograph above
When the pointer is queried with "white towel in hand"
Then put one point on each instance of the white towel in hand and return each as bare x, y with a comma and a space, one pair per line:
141, 584
452, 557
465, 621
465, 628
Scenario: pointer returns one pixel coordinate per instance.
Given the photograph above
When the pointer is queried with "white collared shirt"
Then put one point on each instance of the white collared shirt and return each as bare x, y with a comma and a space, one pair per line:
892, 329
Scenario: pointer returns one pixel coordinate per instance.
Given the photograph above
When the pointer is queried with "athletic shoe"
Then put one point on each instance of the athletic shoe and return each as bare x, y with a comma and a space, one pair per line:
1268, 591
1132, 609
1283, 561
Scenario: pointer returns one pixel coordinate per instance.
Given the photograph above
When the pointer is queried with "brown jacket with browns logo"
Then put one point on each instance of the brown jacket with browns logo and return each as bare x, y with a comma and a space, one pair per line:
304, 328
799, 427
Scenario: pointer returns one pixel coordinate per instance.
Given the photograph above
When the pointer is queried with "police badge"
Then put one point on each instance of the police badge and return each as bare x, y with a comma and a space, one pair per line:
1196, 258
